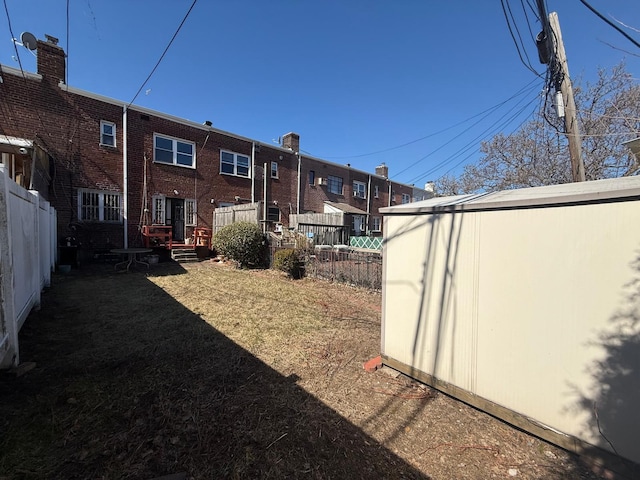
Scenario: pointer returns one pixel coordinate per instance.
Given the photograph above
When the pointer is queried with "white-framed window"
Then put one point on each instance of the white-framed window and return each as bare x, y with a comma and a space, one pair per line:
334, 184
406, 198
375, 224
312, 177
107, 133
158, 203
274, 169
173, 151
359, 189
234, 164
376, 191
99, 206
190, 212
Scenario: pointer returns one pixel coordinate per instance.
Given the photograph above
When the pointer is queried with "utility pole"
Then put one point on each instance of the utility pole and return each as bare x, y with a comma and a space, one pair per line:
563, 84
551, 52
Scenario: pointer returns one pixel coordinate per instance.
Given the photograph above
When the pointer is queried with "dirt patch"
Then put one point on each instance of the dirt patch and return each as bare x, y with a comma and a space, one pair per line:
224, 373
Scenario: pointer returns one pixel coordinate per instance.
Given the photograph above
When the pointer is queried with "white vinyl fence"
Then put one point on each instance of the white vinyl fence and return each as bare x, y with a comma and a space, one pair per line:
27, 257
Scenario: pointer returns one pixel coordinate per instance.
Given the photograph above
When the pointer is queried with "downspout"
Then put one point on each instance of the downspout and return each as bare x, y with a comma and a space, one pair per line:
125, 189
299, 182
33, 168
253, 172
368, 206
389, 192
264, 201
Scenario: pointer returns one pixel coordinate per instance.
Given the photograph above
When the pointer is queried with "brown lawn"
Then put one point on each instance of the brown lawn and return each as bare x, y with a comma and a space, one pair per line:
213, 372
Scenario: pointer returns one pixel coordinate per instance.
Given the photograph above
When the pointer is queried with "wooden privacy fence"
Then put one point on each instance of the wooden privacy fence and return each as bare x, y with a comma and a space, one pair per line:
28, 237
321, 228
223, 216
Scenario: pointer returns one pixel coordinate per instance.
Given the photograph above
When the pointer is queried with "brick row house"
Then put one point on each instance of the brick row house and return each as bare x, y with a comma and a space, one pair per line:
109, 169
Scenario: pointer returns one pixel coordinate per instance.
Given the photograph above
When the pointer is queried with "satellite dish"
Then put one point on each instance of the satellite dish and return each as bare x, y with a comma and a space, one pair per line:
29, 40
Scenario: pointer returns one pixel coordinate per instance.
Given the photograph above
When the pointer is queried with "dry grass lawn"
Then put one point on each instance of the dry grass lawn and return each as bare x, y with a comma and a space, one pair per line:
215, 372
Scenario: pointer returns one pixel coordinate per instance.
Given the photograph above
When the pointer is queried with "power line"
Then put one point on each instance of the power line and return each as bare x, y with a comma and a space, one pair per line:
489, 131
610, 23
462, 122
13, 38
527, 64
163, 53
452, 140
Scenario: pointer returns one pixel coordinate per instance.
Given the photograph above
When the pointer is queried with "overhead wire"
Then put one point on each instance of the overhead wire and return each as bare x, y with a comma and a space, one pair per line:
486, 133
610, 23
527, 63
433, 134
184, 19
464, 131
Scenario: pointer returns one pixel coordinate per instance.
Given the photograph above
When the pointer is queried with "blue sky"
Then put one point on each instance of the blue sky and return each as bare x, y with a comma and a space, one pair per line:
352, 77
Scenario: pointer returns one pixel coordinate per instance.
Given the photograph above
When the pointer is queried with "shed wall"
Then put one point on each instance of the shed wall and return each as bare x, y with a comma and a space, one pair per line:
536, 310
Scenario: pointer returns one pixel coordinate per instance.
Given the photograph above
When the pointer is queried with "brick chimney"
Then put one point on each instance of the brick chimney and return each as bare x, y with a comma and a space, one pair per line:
51, 59
382, 170
291, 140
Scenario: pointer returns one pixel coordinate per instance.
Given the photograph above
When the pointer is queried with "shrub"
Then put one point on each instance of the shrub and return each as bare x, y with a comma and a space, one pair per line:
289, 261
243, 242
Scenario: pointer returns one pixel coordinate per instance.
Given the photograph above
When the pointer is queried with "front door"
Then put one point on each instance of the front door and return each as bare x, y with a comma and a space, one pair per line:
177, 219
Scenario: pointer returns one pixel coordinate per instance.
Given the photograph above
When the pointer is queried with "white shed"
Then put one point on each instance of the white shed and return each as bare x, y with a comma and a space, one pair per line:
526, 304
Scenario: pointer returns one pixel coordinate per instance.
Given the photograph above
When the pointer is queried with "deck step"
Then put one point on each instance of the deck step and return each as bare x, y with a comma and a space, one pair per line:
184, 255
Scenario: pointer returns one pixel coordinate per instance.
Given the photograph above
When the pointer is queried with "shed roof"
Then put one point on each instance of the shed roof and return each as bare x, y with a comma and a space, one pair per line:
346, 208
597, 191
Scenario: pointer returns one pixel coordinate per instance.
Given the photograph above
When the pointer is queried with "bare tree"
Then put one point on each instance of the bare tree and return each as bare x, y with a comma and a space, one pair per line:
537, 153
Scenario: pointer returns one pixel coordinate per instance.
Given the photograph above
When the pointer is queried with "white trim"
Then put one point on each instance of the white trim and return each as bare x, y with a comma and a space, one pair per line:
174, 150
100, 206
112, 125
193, 221
235, 164
362, 188
155, 201
19, 73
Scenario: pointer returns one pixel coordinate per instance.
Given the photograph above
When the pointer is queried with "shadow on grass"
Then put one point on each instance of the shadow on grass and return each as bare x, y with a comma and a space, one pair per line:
131, 384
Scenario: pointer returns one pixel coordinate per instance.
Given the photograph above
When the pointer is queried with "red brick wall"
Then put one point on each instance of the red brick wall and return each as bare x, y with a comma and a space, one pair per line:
67, 126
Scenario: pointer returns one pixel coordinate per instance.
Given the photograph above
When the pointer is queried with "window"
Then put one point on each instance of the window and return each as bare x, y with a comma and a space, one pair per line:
359, 189
98, 206
334, 184
312, 177
376, 191
173, 151
158, 202
190, 212
273, 214
274, 169
234, 164
406, 198
376, 224
107, 133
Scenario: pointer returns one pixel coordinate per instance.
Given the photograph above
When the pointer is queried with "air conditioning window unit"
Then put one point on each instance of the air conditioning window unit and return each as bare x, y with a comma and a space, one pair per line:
322, 181
358, 194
